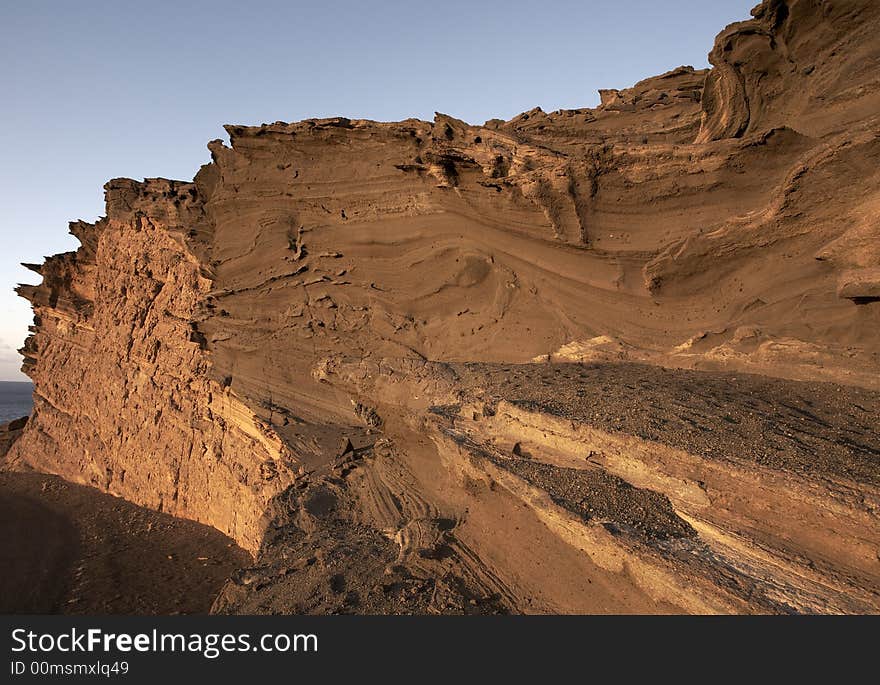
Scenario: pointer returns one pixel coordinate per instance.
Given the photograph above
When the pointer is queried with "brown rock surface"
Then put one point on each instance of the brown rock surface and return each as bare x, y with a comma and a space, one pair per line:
9, 433
211, 344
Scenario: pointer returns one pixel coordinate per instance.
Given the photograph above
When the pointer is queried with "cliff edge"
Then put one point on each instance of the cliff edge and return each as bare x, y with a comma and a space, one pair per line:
298, 346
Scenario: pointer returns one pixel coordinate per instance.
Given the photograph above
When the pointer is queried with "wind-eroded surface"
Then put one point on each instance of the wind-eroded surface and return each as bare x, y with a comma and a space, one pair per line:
528, 366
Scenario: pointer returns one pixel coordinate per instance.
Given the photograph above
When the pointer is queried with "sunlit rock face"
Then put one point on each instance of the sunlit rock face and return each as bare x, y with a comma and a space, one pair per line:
210, 344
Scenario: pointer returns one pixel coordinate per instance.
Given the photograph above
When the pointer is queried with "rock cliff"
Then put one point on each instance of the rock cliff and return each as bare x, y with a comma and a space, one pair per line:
212, 343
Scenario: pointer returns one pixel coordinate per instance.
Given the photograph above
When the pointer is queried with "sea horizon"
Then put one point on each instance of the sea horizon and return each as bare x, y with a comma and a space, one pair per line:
16, 400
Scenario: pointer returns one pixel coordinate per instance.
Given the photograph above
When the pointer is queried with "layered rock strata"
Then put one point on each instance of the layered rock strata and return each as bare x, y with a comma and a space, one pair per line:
188, 355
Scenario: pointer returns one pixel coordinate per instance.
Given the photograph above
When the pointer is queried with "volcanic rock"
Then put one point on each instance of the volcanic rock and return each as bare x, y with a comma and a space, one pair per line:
210, 343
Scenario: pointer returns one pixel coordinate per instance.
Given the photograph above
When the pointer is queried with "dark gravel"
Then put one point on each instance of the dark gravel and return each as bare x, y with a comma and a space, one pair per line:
806, 427
598, 495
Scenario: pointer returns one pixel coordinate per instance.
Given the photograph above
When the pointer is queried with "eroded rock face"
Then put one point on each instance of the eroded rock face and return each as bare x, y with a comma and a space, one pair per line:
122, 397
808, 64
188, 355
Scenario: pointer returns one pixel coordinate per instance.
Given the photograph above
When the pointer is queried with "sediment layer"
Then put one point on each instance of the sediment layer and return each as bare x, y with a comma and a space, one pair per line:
377, 354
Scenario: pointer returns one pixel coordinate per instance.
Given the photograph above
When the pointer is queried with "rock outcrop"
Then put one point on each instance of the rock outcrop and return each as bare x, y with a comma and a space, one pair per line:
123, 400
806, 64
188, 355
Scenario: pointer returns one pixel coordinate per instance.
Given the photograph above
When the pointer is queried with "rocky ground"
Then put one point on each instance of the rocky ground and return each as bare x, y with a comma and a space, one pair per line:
762, 493
813, 429
71, 549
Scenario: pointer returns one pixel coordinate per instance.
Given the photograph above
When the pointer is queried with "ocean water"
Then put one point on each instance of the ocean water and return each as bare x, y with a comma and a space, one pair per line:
15, 400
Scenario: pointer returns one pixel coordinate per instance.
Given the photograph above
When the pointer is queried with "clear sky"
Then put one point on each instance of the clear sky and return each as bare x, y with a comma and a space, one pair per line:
94, 90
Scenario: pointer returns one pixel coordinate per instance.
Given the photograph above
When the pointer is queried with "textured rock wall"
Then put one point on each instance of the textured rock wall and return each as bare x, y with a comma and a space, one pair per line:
122, 398
809, 64
731, 225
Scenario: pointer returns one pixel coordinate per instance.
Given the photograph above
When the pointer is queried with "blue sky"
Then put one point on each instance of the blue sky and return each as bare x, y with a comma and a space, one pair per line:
94, 90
